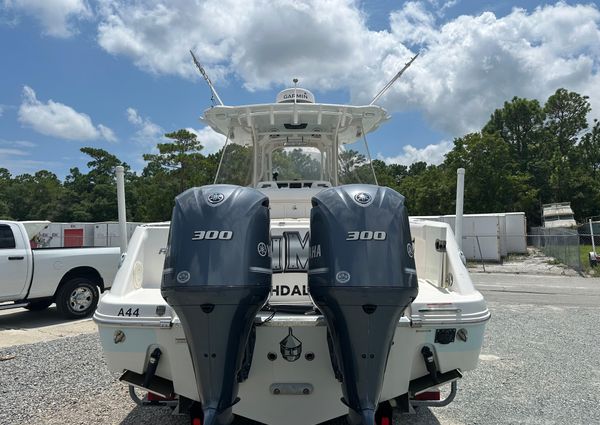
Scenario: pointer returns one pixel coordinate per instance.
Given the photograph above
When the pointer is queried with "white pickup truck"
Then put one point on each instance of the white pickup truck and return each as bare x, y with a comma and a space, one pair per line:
73, 278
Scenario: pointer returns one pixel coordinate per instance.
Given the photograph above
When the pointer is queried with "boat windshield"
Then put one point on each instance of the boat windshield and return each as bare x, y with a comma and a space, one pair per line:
236, 165
296, 164
354, 164
239, 165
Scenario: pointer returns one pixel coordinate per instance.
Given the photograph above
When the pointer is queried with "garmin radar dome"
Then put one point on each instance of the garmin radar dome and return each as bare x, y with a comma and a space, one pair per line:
295, 95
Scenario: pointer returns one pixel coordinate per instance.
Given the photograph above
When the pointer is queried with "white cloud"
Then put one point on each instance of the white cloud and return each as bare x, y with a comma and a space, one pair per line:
59, 120
472, 64
261, 41
431, 154
24, 144
148, 133
17, 143
12, 157
106, 133
210, 139
468, 67
1, 110
12, 151
56, 16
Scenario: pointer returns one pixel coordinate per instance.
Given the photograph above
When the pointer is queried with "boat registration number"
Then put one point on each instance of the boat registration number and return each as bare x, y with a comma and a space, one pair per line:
129, 312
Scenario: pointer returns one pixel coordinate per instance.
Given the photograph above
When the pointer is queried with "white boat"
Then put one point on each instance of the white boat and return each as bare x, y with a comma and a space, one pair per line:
309, 355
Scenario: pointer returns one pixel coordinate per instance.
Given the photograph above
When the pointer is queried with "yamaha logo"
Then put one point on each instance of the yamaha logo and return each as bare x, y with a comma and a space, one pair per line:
183, 276
262, 249
410, 250
363, 198
215, 198
342, 277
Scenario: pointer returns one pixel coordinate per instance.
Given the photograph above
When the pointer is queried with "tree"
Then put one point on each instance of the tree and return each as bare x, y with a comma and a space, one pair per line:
494, 182
93, 196
566, 118
353, 167
34, 197
520, 123
181, 159
178, 166
5, 182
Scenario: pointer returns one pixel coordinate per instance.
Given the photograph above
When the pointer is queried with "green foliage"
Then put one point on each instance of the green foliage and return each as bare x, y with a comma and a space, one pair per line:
236, 167
294, 164
527, 154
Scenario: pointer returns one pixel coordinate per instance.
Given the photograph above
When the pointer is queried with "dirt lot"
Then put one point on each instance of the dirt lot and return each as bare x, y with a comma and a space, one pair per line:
534, 263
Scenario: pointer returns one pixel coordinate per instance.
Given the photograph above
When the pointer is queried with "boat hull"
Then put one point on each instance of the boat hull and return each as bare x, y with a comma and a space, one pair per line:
133, 319
257, 401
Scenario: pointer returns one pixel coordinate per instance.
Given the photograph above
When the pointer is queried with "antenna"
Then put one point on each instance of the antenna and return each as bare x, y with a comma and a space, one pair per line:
295, 80
205, 75
393, 80
295, 120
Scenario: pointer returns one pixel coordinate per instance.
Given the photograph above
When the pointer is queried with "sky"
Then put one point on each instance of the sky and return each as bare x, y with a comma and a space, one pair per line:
117, 74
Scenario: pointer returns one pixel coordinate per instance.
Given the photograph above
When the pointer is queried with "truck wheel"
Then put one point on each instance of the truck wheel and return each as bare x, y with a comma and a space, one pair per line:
38, 305
77, 298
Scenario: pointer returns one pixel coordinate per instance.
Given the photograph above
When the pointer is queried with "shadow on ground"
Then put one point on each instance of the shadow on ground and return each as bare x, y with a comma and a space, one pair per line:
163, 416
25, 319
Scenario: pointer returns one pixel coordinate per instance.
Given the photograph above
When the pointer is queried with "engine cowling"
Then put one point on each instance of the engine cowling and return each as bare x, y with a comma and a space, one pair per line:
217, 275
362, 277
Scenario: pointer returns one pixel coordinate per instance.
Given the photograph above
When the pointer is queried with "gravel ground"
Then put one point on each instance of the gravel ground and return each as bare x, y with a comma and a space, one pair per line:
539, 365
535, 262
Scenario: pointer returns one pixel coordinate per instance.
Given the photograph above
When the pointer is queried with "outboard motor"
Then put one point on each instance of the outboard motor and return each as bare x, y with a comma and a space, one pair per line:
361, 276
217, 276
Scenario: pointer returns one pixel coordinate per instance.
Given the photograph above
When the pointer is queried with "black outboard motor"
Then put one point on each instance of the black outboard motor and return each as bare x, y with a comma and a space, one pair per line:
361, 276
217, 276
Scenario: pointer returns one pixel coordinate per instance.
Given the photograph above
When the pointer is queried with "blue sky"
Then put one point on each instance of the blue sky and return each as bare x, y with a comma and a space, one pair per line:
117, 74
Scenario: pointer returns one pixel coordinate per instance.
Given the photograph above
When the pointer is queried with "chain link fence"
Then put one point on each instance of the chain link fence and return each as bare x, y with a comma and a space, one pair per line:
560, 243
584, 233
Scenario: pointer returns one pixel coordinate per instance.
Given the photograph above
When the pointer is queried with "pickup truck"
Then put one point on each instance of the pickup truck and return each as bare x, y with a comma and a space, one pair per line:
73, 278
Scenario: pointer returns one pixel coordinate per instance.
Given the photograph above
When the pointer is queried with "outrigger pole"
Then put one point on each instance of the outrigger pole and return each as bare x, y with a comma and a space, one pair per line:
205, 75
393, 80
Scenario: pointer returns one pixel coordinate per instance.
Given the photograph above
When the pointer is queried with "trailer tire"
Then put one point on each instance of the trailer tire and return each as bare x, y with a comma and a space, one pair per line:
38, 305
77, 298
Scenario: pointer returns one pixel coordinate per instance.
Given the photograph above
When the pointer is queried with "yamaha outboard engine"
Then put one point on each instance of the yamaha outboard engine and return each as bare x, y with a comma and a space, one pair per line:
217, 276
361, 276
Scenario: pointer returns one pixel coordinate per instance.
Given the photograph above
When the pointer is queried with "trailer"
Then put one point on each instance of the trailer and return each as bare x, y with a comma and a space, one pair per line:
491, 236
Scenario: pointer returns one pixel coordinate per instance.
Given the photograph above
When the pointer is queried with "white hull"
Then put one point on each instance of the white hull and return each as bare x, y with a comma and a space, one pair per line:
446, 300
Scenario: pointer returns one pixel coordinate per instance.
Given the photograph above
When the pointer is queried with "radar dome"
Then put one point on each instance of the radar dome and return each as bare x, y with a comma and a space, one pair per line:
300, 95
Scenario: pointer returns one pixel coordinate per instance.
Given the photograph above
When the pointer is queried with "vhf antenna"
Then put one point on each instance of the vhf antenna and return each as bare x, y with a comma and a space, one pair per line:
205, 75
393, 80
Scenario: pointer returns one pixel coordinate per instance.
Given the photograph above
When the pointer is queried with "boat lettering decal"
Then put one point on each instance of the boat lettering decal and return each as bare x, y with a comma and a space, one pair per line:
290, 252
366, 235
283, 290
223, 235
315, 251
129, 312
